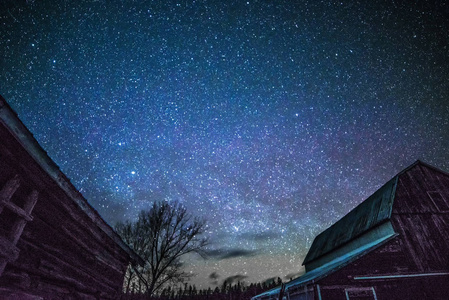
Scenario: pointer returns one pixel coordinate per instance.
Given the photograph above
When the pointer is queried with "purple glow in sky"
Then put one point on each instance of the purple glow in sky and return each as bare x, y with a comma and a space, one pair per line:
271, 119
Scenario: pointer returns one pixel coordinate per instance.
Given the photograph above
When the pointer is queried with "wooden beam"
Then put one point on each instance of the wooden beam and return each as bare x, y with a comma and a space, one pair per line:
19, 225
18, 211
8, 250
8, 253
8, 191
31, 201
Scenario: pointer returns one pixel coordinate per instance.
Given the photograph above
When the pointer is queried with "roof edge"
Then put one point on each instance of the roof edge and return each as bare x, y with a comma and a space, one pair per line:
422, 163
338, 263
22, 134
394, 179
272, 291
403, 171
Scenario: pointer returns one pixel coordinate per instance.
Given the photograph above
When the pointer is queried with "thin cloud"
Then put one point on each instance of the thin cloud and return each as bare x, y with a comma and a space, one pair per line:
270, 280
214, 275
234, 279
214, 278
261, 236
220, 254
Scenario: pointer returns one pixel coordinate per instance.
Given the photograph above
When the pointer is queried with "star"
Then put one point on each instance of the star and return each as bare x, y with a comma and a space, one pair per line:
269, 120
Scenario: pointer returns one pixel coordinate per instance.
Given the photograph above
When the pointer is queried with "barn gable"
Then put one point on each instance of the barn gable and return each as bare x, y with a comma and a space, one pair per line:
424, 189
392, 246
421, 217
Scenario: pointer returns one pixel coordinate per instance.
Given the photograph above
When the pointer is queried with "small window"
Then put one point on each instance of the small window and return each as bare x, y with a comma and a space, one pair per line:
439, 201
365, 293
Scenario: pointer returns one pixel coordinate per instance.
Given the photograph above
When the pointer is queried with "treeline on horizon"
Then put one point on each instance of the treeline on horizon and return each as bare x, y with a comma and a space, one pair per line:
227, 291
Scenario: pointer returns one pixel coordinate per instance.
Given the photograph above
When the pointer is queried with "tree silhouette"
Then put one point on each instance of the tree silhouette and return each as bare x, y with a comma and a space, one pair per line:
161, 236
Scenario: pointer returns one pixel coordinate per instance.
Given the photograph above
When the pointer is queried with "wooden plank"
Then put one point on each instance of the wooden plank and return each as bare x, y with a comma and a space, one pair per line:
8, 191
8, 253
50, 238
18, 227
54, 268
101, 255
18, 211
8, 250
31, 201
94, 239
401, 226
72, 213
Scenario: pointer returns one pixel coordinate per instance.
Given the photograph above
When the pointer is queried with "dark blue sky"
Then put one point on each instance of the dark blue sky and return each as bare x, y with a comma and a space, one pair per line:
271, 119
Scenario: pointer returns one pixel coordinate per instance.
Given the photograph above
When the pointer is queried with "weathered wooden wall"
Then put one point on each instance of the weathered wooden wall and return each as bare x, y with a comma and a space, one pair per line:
422, 224
407, 259
388, 289
303, 293
413, 265
63, 254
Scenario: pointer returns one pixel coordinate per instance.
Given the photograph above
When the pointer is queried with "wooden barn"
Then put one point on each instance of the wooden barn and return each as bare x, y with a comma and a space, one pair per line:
53, 244
394, 245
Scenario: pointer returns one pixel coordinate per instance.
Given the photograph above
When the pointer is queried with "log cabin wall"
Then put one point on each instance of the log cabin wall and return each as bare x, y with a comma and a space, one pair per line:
61, 253
51, 245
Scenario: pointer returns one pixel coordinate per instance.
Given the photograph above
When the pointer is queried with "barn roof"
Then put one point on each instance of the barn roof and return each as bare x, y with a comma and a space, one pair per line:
10, 120
362, 230
267, 294
341, 261
384, 233
370, 213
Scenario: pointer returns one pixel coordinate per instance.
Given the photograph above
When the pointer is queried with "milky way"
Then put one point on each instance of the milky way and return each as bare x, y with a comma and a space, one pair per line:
271, 119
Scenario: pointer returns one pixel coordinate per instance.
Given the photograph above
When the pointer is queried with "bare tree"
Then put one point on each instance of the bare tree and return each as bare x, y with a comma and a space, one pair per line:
161, 236
128, 232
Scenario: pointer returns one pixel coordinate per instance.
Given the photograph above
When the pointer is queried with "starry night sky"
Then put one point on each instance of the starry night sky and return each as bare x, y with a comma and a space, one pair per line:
271, 119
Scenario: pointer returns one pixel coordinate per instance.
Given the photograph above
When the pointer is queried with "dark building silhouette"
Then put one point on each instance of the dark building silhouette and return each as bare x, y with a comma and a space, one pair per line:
53, 244
394, 245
